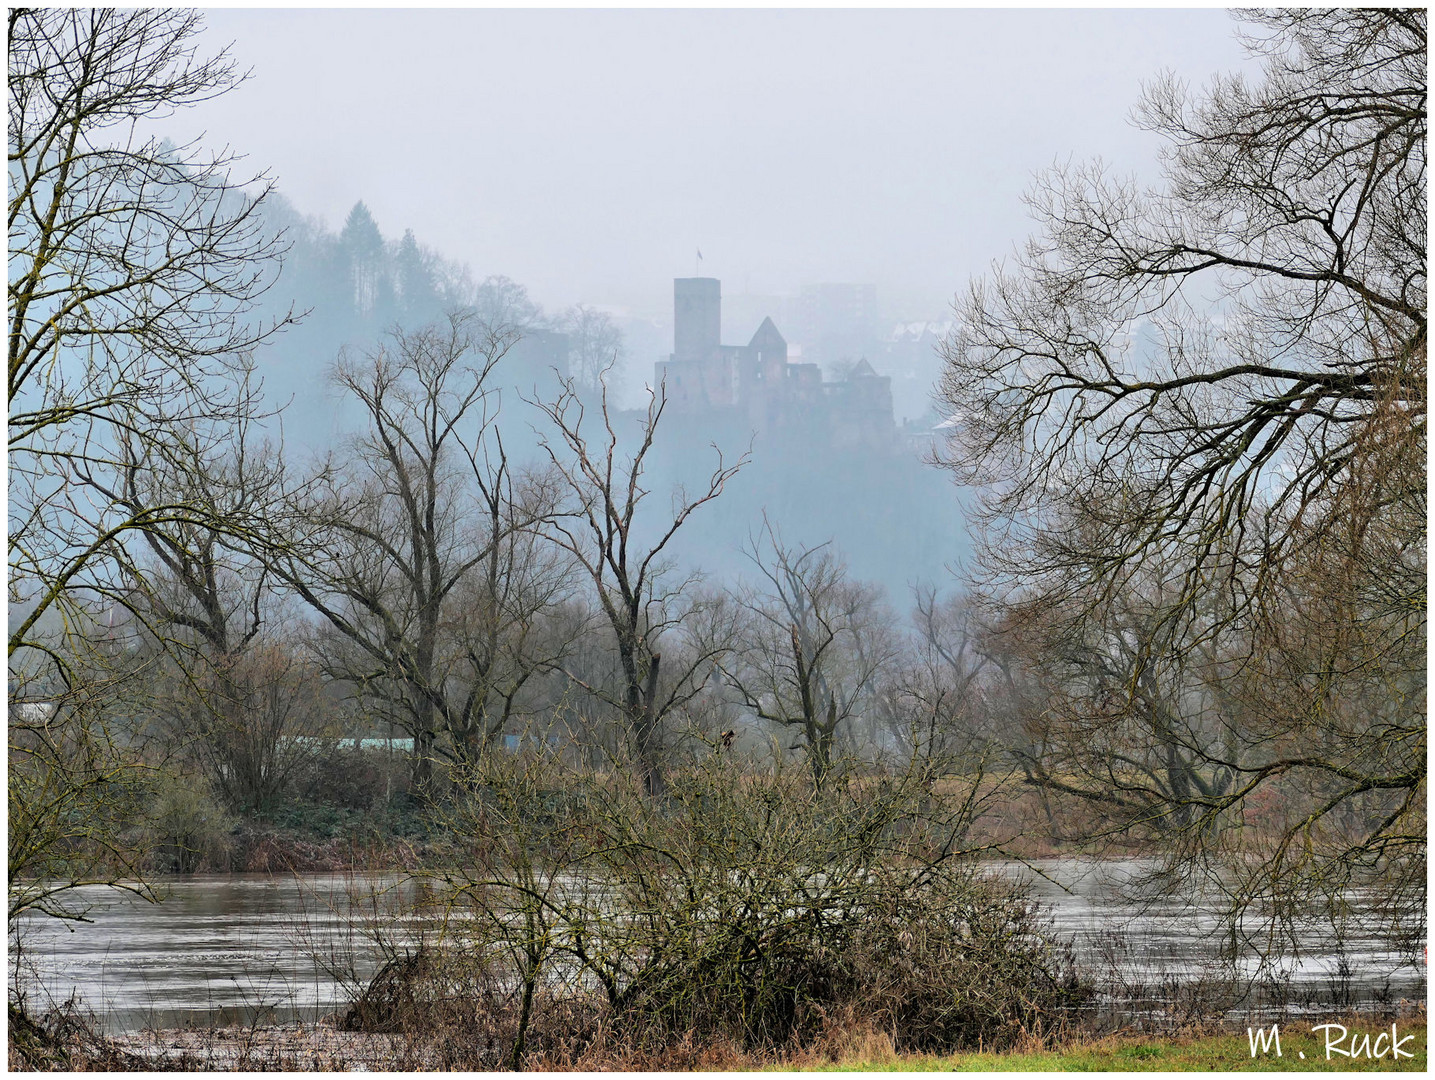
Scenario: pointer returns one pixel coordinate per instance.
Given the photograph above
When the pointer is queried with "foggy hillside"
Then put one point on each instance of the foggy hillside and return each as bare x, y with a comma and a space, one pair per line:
895, 520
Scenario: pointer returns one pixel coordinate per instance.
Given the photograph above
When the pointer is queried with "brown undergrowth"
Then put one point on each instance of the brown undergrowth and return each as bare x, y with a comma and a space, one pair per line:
74, 1042
846, 1042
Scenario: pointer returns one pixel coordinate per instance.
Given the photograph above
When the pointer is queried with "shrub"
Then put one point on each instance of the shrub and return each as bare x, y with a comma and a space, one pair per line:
357, 779
748, 908
190, 829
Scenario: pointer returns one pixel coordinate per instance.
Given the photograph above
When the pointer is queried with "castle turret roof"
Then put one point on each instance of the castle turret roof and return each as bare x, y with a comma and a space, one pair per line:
767, 337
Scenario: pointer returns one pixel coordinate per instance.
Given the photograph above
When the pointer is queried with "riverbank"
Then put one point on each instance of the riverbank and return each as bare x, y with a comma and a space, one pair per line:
364, 821
1360, 1043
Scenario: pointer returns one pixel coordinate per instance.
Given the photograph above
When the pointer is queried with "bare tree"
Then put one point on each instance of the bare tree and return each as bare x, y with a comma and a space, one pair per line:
245, 721
420, 555
594, 345
621, 552
1132, 719
511, 623
206, 611
1096, 372
1160, 473
936, 704
809, 655
134, 265
501, 301
75, 795
1276, 763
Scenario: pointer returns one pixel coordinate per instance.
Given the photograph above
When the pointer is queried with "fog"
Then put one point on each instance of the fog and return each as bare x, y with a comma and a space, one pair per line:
574, 460
592, 157
591, 154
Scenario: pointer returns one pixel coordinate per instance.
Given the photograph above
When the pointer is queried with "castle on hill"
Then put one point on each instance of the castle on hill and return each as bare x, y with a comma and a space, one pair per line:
754, 384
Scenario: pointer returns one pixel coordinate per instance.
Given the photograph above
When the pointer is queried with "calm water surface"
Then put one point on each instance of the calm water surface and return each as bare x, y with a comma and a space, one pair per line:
1176, 940
245, 948
218, 949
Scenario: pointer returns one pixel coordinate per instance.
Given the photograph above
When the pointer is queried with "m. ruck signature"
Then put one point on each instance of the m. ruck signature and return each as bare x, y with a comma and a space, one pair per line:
1360, 1044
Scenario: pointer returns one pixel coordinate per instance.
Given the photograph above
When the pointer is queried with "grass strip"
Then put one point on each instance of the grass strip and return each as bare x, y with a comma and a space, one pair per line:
1302, 1050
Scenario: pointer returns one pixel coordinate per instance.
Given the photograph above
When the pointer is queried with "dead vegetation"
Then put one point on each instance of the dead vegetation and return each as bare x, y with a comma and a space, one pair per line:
753, 912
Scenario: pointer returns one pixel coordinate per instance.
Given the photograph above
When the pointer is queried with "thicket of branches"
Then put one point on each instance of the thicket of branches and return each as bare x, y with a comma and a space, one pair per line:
743, 909
133, 267
1195, 416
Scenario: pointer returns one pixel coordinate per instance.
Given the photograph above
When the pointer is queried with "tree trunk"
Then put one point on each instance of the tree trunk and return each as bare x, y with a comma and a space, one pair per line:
649, 738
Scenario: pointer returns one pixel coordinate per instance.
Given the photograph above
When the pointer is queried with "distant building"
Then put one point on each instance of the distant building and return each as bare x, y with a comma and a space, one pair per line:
860, 407
909, 352
755, 383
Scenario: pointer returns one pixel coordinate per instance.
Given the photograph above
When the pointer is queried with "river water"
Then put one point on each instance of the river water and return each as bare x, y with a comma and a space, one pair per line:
260, 948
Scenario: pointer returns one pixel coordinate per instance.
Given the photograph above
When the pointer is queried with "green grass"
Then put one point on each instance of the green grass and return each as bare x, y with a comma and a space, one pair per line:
1194, 1053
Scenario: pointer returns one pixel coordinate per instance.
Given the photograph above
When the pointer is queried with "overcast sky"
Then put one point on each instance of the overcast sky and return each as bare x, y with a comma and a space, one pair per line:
589, 154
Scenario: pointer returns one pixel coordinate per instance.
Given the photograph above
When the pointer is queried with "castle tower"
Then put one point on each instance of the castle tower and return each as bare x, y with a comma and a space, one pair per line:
697, 319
